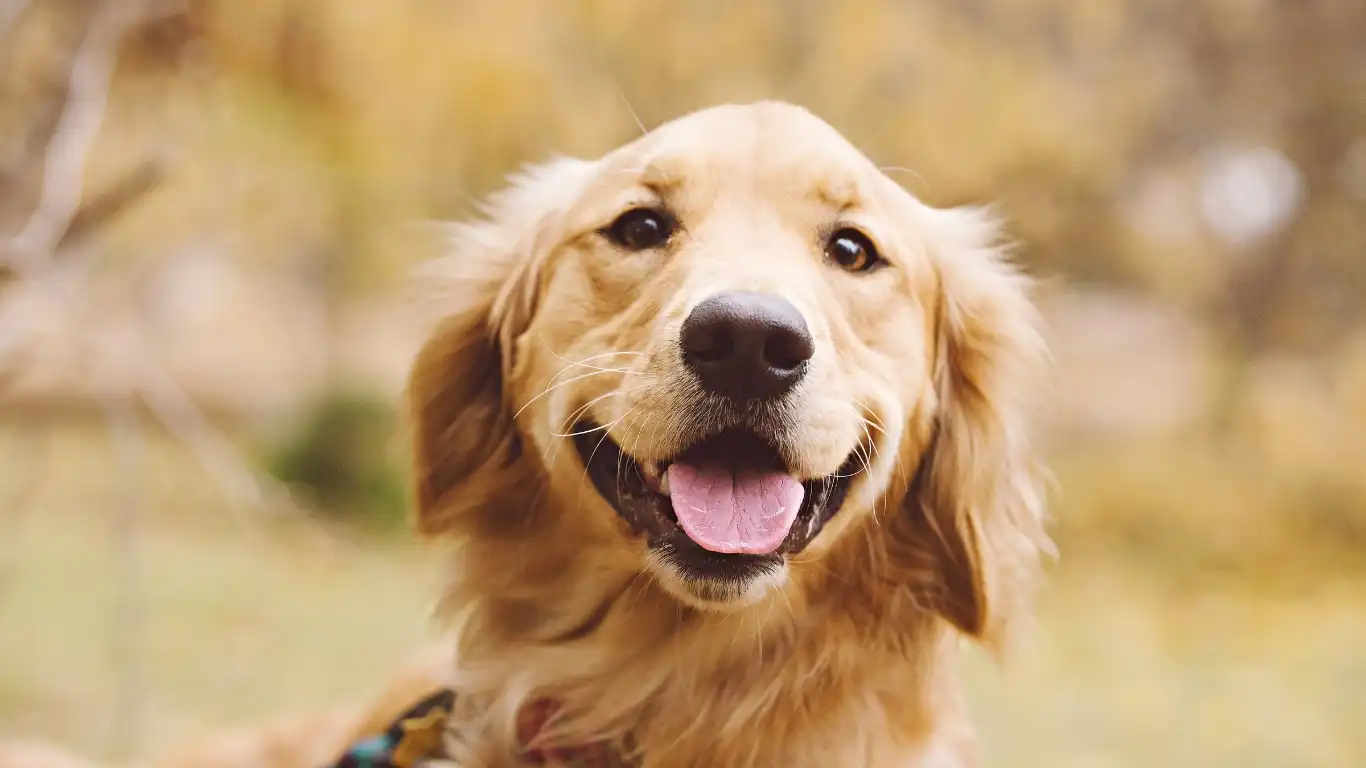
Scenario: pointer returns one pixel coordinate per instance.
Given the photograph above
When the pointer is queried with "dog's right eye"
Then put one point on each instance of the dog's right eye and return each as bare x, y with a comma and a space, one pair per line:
640, 229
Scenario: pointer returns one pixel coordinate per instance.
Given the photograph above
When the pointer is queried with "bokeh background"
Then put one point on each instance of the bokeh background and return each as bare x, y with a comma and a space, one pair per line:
209, 208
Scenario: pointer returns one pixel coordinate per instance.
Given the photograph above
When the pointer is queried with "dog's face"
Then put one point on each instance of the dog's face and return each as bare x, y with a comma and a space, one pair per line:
735, 356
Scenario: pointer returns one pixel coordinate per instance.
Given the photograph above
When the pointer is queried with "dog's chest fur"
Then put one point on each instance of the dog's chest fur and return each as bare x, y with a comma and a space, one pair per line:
702, 691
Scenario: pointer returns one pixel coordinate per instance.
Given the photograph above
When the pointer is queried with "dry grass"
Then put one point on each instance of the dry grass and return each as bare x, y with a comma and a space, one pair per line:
1130, 671
1133, 664
244, 617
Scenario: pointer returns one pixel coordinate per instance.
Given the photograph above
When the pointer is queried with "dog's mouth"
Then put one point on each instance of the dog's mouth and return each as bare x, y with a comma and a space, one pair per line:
725, 507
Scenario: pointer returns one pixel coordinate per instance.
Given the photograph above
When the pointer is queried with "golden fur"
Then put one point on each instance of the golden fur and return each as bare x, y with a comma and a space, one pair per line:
925, 369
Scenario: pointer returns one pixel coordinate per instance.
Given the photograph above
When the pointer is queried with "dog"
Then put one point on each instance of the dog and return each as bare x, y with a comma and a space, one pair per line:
732, 435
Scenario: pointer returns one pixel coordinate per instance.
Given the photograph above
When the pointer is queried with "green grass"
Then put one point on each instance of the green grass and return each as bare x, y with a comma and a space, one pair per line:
245, 618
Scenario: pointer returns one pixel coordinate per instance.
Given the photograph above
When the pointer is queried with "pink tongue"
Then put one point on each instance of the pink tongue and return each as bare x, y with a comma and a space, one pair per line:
744, 512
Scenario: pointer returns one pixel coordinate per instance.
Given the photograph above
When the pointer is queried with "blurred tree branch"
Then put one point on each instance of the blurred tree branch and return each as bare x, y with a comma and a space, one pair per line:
47, 265
68, 147
30, 254
112, 201
44, 264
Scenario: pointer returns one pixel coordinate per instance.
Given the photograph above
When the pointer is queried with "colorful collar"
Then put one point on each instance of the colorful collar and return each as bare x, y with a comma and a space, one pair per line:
418, 736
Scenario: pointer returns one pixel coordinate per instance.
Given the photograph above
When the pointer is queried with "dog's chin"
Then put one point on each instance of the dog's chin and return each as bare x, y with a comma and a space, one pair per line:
718, 579
713, 583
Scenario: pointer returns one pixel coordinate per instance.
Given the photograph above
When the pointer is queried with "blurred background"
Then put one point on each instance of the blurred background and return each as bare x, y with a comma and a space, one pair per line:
208, 210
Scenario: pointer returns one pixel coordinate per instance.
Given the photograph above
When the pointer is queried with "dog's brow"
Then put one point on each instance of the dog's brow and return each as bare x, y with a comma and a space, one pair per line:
661, 179
842, 197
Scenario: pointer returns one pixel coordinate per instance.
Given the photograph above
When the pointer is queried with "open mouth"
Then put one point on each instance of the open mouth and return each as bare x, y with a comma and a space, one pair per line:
725, 508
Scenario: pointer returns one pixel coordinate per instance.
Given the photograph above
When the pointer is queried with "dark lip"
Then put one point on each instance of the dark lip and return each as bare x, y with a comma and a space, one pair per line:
618, 479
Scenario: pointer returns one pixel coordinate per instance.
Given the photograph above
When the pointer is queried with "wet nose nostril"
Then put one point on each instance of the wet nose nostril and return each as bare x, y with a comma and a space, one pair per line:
786, 350
709, 345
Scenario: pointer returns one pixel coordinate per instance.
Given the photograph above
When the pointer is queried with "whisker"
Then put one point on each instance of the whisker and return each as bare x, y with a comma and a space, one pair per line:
860, 409
859, 453
874, 425
589, 462
620, 457
869, 447
630, 600
657, 425
583, 363
639, 123
573, 417
589, 431
553, 387
791, 612
640, 425
626, 439
855, 473
626, 436
897, 469
868, 451
903, 169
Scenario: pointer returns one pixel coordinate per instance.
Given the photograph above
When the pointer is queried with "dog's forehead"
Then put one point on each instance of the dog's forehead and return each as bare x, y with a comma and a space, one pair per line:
741, 144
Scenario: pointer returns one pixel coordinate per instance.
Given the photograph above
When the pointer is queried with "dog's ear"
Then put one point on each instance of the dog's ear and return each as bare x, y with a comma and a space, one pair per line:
977, 500
464, 441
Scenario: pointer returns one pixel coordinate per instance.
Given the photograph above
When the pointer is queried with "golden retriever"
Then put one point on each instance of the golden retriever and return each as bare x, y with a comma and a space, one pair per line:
730, 432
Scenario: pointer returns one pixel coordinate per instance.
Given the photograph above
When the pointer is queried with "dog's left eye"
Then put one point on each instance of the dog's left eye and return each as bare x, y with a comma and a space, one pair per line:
640, 229
852, 250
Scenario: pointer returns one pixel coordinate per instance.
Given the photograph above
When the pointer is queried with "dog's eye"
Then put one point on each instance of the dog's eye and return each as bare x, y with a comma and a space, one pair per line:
640, 229
852, 251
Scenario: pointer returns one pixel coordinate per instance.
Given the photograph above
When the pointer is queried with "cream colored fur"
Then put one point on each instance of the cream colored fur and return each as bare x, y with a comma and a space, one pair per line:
845, 658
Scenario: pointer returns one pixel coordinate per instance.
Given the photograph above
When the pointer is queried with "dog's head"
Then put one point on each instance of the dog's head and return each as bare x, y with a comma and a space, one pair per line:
735, 356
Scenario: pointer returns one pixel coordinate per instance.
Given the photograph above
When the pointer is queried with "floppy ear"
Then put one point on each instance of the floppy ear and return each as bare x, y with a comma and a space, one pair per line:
464, 442
978, 497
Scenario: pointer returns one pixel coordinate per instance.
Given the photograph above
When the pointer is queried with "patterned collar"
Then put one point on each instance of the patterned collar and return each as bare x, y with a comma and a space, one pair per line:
417, 736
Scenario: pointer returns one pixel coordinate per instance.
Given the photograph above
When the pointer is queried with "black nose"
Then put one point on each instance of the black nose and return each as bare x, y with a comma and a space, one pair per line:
746, 346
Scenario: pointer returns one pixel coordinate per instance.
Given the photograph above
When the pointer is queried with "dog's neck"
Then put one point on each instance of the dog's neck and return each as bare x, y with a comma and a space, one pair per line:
843, 678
